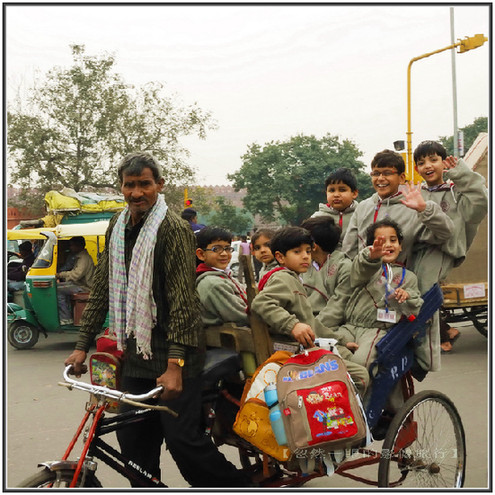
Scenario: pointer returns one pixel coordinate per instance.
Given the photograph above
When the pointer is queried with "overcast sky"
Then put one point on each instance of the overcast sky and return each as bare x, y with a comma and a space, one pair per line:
271, 72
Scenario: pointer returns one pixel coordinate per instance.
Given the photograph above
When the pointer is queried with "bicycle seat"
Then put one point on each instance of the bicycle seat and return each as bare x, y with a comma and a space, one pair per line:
220, 363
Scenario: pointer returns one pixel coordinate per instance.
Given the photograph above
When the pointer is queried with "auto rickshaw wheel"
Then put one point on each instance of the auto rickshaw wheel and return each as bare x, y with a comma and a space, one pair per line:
22, 335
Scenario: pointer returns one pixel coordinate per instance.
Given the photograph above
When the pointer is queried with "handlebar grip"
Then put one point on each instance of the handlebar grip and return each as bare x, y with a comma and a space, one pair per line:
84, 369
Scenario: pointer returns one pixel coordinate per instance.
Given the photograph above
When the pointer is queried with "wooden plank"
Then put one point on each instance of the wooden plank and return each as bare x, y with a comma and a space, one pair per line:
230, 336
263, 346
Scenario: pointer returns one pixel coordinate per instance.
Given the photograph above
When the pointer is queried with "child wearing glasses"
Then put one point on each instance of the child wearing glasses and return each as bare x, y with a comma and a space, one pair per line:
341, 190
423, 221
223, 299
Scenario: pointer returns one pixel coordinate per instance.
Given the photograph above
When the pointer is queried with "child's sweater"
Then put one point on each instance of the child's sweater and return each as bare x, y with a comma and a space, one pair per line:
439, 226
466, 203
282, 302
222, 298
368, 283
329, 289
341, 218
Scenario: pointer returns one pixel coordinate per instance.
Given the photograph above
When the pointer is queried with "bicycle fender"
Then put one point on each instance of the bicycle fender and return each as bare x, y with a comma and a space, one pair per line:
58, 465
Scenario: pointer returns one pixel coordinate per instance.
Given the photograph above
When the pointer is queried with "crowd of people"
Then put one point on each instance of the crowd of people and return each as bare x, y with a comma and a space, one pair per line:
350, 272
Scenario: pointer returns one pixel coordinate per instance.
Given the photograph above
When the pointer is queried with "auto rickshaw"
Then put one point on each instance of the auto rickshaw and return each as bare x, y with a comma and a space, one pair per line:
40, 311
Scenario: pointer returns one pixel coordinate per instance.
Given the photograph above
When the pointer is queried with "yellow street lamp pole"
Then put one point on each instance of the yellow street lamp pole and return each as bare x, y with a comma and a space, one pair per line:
466, 44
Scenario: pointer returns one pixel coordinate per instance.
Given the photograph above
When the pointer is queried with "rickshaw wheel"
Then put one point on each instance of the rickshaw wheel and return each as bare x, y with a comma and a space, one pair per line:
22, 335
425, 445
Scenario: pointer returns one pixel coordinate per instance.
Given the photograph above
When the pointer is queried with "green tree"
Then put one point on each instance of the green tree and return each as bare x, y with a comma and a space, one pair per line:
285, 180
229, 217
204, 199
471, 132
83, 119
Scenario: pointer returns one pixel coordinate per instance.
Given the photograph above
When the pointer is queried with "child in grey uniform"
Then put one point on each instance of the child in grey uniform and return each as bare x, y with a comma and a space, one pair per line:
341, 189
464, 200
260, 247
223, 299
282, 302
383, 292
327, 279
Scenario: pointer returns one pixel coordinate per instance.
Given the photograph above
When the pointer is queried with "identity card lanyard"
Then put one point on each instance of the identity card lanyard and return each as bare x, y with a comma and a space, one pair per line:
389, 316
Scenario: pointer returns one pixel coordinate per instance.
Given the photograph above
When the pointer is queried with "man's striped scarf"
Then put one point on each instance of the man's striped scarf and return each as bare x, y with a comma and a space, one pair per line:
132, 306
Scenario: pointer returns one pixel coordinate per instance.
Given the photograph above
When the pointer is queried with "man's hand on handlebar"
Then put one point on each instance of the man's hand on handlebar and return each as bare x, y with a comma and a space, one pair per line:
171, 381
76, 360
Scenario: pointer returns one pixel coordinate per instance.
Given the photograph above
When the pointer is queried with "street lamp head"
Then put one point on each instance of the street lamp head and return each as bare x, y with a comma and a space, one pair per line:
470, 43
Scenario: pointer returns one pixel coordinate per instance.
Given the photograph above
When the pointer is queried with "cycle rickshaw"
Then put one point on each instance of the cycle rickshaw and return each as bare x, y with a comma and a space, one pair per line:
424, 445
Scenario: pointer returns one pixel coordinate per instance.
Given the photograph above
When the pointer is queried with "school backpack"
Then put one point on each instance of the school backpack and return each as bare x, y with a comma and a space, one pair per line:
320, 407
252, 422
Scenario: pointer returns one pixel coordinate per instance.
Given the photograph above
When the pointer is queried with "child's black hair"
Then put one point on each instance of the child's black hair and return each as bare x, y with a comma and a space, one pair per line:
324, 232
389, 158
427, 148
209, 234
386, 222
289, 238
188, 214
268, 233
343, 175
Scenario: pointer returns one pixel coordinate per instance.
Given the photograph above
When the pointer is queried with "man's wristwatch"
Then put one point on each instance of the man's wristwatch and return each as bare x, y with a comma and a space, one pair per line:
179, 362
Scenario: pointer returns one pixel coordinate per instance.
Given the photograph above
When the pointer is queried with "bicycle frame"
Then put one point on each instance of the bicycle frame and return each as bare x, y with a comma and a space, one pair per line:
373, 457
95, 447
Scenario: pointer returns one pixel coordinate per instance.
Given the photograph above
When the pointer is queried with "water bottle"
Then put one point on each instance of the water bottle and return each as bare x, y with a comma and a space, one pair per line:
276, 421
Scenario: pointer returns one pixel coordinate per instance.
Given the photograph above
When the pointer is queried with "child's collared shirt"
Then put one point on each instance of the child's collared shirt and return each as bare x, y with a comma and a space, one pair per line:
222, 298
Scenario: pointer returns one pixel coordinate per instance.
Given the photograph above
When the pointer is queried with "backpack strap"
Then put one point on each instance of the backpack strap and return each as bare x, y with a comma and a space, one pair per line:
265, 277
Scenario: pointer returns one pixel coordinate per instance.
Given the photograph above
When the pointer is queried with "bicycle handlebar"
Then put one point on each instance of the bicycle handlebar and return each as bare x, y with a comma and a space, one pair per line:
135, 400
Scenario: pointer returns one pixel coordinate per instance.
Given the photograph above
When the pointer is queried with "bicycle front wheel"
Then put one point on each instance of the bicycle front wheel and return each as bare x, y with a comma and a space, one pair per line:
58, 479
425, 445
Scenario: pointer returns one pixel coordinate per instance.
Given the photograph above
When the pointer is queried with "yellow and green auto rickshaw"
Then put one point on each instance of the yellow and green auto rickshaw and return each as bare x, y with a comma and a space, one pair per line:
38, 310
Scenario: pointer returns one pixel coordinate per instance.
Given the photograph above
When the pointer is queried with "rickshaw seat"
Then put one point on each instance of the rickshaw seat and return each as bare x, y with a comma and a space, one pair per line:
396, 354
220, 363
235, 338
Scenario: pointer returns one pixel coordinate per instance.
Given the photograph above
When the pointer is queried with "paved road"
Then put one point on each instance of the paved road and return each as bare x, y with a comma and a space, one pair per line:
41, 417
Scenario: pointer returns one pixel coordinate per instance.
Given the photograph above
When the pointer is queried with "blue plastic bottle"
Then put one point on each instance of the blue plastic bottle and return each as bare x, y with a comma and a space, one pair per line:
276, 421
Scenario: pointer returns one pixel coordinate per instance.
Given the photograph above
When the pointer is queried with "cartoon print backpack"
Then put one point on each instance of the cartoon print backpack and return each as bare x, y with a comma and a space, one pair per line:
252, 421
105, 366
320, 407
